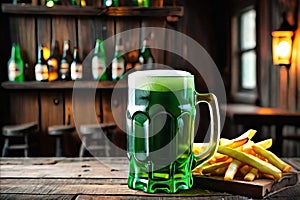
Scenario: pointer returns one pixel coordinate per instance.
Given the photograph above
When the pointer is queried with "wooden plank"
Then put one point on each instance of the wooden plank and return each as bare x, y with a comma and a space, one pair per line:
34, 85
23, 108
18, 26
101, 28
253, 189
130, 41
71, 142
284, 79
93, 11
64, 28
44, 31
50, 102
37, 196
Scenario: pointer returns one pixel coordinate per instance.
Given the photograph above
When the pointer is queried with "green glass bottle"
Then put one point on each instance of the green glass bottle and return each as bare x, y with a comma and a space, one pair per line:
41, 67
146, 59
118, 62
15, 65
99, 69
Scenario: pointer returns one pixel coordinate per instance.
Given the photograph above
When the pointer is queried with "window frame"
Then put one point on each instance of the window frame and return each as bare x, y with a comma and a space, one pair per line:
239, 94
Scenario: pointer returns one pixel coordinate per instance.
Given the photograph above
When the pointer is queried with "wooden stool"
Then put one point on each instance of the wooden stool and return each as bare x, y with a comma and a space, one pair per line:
93, 139
58, 131
14, 131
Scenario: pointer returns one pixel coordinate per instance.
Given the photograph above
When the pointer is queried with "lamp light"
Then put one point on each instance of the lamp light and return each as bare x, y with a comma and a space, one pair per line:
282, 44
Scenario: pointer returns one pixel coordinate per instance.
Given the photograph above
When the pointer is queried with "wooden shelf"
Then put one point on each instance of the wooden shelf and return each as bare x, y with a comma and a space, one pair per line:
35, 85
92, 11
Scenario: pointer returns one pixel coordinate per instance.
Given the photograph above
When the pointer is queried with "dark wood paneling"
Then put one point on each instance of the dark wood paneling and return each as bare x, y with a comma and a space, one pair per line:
130, 41
52, 113
71, 142
90, 29
22, 29
44, 31
24, 108
64, 28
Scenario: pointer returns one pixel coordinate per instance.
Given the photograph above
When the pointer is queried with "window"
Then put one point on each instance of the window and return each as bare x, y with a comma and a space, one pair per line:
247, 51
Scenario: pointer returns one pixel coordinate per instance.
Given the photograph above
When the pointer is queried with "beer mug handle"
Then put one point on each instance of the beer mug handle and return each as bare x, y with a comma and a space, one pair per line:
212, 146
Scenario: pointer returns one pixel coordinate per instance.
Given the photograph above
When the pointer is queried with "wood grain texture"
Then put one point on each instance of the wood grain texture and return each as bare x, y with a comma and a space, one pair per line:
64, 28
44, 31
34, 85
52, 113
98, 178
22, 29
89, 30
22, 108
130, 41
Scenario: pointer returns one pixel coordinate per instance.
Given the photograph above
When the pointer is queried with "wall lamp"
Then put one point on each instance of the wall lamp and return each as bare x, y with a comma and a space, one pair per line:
282, 44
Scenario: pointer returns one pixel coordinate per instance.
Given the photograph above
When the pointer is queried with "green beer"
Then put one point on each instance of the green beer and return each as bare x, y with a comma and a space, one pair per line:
160, 126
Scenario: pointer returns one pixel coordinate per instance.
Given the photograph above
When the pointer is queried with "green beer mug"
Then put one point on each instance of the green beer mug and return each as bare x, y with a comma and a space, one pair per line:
160, 122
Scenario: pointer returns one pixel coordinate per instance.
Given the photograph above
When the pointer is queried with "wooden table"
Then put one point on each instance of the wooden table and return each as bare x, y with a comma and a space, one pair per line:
88, 178
255, 117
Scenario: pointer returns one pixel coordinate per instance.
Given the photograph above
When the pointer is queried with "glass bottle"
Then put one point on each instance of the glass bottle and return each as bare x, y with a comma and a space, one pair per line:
53, 62
118, 62
41, 67
76, 66
99, 69
146, 59
65, 63
51, 3
15, 65
111, 3
80, 3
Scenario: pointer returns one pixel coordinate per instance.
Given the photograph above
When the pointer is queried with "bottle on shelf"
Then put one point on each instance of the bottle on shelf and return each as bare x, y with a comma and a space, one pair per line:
15, 65
80, 3
146, 59
142, 3
99, 69
65, 63
41, 67
53, 62
51, 3
76, 66
118, 62
111, 3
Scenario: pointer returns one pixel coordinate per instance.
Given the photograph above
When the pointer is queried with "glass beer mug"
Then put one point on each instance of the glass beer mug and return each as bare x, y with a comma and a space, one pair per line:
160, 121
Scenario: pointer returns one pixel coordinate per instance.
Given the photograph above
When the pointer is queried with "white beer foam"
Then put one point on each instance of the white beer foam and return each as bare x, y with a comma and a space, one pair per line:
160, 80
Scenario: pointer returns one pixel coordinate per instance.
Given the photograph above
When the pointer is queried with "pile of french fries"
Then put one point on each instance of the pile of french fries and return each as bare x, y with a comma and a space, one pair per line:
244, 158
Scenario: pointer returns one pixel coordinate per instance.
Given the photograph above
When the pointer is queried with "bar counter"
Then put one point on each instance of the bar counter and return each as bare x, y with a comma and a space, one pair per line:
95, 178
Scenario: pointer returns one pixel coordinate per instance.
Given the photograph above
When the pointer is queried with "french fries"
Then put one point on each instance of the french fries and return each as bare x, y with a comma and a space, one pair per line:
242, 157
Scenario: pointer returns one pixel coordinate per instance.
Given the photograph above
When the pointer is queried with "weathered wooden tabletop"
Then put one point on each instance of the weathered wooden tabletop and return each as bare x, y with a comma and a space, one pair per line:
93, 178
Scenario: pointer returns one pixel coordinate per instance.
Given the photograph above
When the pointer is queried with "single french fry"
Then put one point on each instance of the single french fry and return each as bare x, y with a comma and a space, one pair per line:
242, 139
265, 143
251, 160
251, 175
232, 169
211, 168
219, 171
267, 176
272, 158
245, 169
248, 134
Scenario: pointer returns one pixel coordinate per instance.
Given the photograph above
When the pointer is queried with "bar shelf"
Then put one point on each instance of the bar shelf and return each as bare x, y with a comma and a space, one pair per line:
27, 9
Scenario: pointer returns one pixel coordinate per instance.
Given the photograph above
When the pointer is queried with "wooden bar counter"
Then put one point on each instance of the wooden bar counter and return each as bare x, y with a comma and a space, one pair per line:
95, 178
